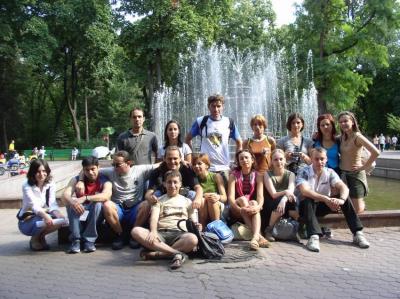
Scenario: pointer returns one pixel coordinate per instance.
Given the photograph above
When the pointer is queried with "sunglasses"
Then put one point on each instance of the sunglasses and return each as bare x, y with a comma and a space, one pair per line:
117, 165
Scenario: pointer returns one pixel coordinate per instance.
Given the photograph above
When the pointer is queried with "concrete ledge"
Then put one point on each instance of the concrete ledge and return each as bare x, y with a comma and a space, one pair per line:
368, 219
386, 172
10, 203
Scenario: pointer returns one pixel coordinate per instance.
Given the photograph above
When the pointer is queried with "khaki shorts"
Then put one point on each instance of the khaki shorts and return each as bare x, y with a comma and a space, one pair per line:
169, 236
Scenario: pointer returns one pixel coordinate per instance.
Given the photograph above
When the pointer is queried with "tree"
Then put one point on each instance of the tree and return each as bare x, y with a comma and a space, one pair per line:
165, 31
248, 26
85, 38
348, 39
393, 122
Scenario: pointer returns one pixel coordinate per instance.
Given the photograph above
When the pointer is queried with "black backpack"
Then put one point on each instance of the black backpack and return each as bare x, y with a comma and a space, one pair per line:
209, 246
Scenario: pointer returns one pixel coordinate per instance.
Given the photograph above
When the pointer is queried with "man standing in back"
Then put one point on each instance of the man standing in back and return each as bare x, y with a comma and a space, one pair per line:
215, 131
137, 141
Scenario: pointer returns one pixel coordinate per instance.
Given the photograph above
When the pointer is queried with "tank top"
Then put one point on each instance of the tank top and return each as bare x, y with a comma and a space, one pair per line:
282, 185
350, 152
279, 186
239, 184
256, 147
208, 184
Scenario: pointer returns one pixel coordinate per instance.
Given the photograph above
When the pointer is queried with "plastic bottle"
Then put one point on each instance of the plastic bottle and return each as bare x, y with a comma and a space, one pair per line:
195, 216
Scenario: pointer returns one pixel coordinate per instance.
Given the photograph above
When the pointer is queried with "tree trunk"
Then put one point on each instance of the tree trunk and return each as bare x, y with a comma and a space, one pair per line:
86, 119
4, 129
320, 97
150, 88
322, 108
72, 101
158, 69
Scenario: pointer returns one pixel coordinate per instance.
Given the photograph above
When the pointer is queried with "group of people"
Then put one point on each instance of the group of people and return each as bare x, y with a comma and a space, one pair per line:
142, 201
385, 143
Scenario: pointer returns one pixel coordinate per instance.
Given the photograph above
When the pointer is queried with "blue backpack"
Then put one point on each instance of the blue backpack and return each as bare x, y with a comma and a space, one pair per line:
223, 232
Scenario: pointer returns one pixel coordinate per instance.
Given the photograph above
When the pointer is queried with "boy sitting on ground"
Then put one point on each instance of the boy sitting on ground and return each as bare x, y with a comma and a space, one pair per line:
164, 238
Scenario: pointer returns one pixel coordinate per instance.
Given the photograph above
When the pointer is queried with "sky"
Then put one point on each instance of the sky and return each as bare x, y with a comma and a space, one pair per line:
284, 10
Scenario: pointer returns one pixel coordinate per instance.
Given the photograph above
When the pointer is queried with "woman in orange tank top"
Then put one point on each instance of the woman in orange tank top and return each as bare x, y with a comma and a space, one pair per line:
260, 145
353, 170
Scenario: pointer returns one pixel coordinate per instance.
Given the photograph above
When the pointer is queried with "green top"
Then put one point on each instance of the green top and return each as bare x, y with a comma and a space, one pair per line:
209, 185
284, 184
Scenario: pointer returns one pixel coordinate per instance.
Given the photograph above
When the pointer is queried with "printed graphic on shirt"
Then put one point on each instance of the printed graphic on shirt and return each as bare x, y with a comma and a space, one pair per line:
215, 139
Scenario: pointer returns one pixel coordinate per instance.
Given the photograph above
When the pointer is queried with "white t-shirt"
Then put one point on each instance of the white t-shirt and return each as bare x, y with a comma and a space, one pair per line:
215, 140
184, 150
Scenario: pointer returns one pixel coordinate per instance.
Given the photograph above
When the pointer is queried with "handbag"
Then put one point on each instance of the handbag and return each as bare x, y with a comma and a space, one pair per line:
209, 246
29, 214
285, 229
219, 228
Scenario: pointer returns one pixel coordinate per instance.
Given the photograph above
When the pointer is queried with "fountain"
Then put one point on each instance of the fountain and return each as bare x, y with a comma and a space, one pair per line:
260, 83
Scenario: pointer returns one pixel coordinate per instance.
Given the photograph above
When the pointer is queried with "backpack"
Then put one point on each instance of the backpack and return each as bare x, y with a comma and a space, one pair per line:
219, 228
209, 246
204, 124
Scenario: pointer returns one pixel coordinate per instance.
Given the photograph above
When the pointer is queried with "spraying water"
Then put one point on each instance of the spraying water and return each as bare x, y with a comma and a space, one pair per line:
262, 83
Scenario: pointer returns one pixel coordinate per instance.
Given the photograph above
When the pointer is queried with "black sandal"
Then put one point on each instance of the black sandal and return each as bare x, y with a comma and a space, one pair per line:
178, 260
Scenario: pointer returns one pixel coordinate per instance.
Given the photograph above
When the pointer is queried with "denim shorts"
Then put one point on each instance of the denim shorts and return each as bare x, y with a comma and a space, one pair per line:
28, 227
127, 216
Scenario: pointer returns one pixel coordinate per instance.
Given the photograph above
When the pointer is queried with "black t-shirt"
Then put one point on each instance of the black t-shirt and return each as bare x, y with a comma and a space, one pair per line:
189, 178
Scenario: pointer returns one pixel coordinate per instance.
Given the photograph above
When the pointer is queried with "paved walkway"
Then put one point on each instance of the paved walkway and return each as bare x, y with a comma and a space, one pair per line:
287, 270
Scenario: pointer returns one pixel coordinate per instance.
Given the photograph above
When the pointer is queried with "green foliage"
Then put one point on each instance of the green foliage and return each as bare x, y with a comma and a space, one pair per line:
248, 26
393, 122
348, 40
94, 142
60, 140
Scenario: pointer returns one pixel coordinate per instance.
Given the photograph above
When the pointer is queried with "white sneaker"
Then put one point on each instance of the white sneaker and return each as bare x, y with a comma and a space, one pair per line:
313, 243
360, 240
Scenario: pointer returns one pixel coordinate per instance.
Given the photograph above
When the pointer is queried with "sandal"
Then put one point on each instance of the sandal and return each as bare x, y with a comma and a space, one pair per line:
178, 260
263, 243
254, 244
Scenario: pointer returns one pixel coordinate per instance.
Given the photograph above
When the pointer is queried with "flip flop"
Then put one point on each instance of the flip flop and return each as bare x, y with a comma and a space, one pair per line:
178, 260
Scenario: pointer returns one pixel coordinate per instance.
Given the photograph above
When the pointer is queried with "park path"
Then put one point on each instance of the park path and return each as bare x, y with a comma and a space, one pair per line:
286, 270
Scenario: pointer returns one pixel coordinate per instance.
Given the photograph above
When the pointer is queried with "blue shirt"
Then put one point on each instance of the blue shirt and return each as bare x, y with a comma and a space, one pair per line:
332, 154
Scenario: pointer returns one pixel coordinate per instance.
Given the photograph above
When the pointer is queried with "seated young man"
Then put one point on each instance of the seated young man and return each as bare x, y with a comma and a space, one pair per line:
315, 183
125, 209
164, 237
97, 189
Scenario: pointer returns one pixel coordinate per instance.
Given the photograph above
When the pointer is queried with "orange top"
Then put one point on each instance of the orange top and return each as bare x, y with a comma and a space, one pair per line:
261, 150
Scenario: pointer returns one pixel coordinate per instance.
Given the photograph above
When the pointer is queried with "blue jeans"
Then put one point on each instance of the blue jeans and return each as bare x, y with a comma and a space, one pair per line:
29, 227
84, 229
